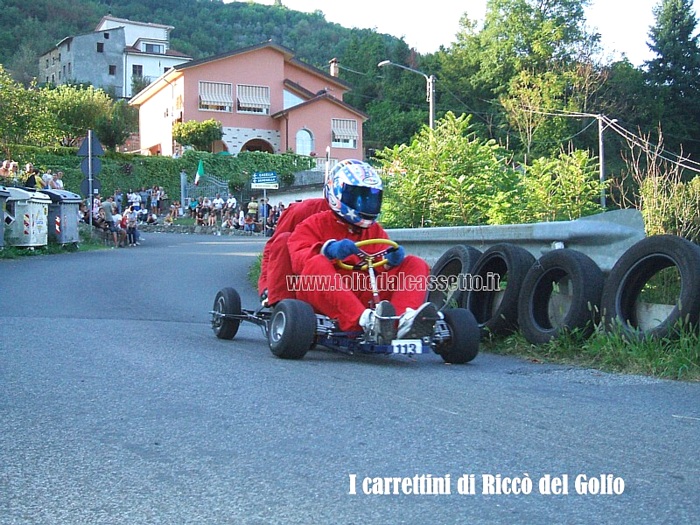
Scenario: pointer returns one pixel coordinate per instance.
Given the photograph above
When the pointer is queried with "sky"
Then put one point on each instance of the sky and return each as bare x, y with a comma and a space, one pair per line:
426, 25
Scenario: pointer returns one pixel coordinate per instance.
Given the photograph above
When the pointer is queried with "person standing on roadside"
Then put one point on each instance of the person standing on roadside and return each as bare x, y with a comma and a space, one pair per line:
107, 209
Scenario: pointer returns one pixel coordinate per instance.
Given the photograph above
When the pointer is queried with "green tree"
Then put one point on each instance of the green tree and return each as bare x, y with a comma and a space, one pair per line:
674, 73
199, 135
23, 116
522, 44
446, 176
115, 127
77, 109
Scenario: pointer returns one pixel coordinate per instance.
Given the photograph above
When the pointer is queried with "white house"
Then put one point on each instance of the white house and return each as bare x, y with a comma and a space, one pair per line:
112, 56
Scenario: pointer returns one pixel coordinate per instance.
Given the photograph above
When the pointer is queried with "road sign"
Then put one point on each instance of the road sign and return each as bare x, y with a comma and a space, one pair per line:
96, 146
85, 166
85, 187
266, 177
264, 186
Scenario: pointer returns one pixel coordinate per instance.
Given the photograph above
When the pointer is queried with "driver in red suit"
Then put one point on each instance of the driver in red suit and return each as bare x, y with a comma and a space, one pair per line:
353, 192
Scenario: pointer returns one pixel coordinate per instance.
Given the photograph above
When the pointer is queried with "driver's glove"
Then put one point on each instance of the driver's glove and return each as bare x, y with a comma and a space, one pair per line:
394, 256
339, 249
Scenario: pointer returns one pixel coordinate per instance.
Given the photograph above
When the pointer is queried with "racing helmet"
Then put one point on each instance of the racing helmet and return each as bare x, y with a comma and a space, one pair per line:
354, 192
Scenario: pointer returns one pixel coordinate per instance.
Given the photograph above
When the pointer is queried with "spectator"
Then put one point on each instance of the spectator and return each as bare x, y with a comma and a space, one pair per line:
118, 195
34, 179
5, 171
253, 208
48, 180
231, 203
155, 199
131, 223
120, 224
106, 210
218, 205
192, 207
249, 224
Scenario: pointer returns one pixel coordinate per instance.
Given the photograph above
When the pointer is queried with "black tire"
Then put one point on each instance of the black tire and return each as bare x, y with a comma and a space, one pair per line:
623, 290
539, 322
450, 267
227, 302
496, 310
292, 329
465, 334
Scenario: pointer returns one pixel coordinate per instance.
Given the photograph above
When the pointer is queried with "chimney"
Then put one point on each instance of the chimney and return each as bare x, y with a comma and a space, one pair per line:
334, 67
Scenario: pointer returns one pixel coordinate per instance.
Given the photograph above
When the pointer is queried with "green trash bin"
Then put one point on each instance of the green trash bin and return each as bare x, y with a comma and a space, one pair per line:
63, 216
26, 213
4, 194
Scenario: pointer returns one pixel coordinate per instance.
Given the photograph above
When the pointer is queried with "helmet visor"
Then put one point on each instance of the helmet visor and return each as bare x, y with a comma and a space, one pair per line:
365, 201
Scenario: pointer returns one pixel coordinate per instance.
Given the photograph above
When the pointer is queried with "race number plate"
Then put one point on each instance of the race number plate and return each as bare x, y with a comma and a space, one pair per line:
407, 346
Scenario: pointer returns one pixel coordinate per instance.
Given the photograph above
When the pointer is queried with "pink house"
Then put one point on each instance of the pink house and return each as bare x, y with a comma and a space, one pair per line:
265, 99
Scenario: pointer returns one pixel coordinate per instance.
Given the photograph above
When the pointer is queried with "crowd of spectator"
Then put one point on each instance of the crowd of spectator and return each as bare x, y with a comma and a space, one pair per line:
30, 176
256, 216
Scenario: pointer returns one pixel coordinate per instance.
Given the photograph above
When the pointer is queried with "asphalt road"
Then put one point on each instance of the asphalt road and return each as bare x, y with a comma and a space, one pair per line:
119, 406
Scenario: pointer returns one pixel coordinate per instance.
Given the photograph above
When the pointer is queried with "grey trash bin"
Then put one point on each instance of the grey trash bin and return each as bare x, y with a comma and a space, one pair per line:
4, 194
26, 213
63, 216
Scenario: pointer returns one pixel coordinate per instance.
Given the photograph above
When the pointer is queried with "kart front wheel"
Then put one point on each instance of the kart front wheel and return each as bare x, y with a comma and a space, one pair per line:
292, 329
463, 345
226, 303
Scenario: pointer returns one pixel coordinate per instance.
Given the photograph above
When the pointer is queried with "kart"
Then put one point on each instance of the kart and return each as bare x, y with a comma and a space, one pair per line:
292, 328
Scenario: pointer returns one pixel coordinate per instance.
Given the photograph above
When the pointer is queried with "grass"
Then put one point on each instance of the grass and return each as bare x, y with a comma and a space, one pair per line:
613, 351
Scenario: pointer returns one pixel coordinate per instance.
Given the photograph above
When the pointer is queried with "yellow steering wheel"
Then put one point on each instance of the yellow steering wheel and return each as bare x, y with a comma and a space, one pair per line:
369, 259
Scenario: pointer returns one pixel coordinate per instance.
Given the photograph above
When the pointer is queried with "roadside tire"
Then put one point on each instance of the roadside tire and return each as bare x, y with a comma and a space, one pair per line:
292, 329
455, 262
543, 314
496, 311
622, 295
463, 345
227, 302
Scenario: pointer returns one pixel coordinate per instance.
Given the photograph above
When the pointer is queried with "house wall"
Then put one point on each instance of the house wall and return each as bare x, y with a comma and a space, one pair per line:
317, 119
135, 31
156, 121
82, 63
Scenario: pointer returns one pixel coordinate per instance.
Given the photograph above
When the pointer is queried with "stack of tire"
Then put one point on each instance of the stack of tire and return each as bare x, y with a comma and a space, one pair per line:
524, 297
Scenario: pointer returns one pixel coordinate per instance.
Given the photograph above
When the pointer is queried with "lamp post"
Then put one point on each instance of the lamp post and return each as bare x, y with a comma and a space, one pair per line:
430, 88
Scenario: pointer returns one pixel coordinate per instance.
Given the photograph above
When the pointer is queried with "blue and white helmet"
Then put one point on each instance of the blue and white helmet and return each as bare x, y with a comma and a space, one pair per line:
354, 192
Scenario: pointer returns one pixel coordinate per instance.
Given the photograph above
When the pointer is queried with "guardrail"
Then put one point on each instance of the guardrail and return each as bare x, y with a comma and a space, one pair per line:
603, 237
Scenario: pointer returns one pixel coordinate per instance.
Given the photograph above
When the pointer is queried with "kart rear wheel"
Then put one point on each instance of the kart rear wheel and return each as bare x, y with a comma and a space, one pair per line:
465, 334
227, 302
292, 329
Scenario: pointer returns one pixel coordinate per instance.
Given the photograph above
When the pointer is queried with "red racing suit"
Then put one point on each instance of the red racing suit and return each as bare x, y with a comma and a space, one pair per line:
346, 298
275, 264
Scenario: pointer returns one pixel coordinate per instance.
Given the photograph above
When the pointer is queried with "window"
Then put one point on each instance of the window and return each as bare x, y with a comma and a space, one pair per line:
153, 48
253, 99
70, 69
137, 70
106, 36
344, 132
100, 47
112, 70
304, 142
47, 62
215, 96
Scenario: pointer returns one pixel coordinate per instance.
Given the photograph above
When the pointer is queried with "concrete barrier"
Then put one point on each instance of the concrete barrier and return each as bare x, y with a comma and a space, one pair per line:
603, 237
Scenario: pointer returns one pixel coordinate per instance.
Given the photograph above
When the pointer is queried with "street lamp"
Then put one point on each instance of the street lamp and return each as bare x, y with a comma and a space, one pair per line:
430, 87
